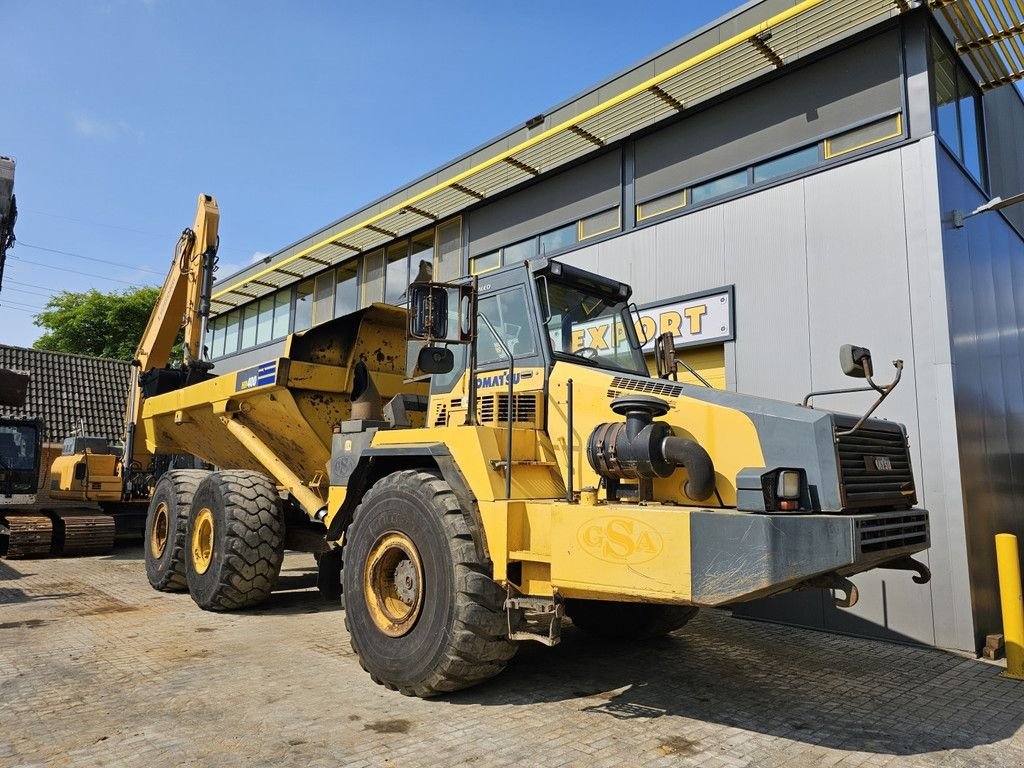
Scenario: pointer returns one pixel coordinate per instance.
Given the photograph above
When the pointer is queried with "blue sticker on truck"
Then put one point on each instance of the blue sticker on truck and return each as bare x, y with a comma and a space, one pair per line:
259, 376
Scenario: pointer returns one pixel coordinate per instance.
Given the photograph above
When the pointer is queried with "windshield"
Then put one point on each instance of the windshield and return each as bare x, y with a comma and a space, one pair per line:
588, 327
18, 447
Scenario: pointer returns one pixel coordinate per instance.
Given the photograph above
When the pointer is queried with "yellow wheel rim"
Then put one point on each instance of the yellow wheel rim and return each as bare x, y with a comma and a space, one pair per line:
393, 584
161, 528
202, 541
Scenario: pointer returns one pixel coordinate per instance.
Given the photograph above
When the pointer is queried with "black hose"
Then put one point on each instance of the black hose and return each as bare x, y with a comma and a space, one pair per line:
701, 470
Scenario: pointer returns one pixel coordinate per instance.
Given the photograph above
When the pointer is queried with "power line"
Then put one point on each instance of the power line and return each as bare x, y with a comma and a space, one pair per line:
23, 244
72, 271
23, 305
123, 229
15, 309
29, 285
30, 293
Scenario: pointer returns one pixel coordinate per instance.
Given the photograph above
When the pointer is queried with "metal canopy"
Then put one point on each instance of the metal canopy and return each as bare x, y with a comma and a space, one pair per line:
800, 29
988, 33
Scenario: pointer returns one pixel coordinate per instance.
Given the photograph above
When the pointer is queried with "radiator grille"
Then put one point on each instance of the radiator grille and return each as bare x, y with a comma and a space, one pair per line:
874, 466
493, 409
646, 386
890, 532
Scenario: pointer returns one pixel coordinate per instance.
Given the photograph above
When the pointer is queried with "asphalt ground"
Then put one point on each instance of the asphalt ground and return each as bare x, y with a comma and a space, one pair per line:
98, 669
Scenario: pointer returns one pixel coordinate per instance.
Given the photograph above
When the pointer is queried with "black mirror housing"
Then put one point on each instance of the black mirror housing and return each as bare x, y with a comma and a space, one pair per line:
435, 360
428, 311
665, 354
855, 361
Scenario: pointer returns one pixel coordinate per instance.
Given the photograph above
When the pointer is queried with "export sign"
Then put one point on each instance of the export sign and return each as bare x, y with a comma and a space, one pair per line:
694, 320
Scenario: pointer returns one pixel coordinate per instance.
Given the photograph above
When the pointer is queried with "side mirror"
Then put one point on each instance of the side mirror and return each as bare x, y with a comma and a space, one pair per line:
435, 360
856, 361
428, 311
665, 354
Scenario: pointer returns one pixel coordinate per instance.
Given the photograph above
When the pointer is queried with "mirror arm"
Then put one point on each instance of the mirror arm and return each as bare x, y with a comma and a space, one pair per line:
693, 373
884, 394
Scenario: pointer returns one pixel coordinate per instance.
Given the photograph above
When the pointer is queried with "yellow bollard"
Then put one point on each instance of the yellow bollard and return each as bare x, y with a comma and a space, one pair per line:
1008, 564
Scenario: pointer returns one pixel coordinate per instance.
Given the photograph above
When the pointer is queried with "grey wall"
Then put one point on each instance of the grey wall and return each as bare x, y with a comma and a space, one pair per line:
984, 265
851, 86
1004, 124
558, 200
851, 254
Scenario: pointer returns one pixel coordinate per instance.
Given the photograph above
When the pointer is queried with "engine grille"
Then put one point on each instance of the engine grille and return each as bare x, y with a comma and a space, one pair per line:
890, 532
493, 409
646, 386
874, 465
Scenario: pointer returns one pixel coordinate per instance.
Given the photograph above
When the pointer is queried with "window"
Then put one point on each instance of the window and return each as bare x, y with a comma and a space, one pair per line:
956, 103
508, 313
660, 205
373, 277
346, 288
723, 185
231, 324
396, 278
789, 163
265, 320
599, 223
485, 263
865, 136
323, 298
449, 250
558, 239
249, 325
303, 306
282, 310
217, 336
521, 251
421, 258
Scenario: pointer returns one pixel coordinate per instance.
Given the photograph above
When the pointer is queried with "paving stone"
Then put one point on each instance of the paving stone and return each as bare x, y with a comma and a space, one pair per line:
97, 669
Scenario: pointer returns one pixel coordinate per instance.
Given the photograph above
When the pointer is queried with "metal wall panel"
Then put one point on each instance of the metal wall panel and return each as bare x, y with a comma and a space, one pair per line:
848, 255
984, 272
852, 85
249, 358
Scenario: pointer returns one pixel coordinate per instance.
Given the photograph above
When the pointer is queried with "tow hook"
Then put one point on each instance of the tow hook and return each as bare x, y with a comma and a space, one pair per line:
836, 582
907, 563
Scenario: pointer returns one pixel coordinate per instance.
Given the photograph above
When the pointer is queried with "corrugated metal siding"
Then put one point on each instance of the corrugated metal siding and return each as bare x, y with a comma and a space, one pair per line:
984, 272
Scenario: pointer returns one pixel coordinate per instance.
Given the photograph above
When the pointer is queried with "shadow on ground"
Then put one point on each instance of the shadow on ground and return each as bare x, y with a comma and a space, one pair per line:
832, 691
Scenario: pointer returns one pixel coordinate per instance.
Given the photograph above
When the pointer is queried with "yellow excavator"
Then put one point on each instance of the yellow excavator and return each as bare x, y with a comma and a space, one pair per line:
116, 481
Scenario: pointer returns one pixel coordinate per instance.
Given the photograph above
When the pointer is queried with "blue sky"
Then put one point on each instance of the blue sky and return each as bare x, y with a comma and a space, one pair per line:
119, 112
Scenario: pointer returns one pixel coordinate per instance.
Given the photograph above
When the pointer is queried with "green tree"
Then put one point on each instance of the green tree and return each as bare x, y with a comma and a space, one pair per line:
94, 323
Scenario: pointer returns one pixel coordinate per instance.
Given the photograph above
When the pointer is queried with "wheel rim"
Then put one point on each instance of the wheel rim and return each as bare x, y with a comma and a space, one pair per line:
393, 584
161, 526
202, 541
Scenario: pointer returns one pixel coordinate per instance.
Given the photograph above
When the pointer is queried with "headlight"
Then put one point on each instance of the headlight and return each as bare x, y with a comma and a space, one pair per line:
783, 489
788, 485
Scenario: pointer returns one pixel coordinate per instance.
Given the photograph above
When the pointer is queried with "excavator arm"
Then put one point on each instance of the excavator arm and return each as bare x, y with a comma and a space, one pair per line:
183, 303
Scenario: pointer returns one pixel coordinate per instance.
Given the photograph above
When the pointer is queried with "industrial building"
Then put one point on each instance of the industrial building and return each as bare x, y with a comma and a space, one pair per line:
792, 177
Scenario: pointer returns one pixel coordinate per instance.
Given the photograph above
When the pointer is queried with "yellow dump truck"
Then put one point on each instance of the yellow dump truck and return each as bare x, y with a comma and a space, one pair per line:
467, 494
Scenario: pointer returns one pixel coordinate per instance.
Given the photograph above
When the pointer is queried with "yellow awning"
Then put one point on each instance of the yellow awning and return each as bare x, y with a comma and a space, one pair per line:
989, 34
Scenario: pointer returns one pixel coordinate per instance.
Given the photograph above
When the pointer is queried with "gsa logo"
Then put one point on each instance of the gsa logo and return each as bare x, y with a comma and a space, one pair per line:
620, 540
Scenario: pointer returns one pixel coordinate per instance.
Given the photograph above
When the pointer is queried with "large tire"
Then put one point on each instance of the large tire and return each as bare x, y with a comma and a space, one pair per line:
448, 629
235, 541
628, 621
166, 528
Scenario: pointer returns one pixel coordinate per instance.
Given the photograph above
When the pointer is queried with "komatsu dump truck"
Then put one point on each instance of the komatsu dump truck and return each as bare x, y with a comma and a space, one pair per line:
468, 473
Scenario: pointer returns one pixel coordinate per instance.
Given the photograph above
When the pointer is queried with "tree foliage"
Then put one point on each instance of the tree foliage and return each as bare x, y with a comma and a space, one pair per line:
94, 323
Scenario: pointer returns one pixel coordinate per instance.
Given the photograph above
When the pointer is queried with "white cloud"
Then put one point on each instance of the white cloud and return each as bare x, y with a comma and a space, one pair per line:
258, 256
92, 127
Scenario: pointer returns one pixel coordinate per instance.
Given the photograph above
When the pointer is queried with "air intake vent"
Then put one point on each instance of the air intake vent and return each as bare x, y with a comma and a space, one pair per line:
441, 415
885, 533
493, 409
874, 465
622, 384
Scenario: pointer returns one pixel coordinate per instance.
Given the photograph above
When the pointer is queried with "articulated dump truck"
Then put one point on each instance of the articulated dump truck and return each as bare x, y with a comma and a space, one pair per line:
509, 476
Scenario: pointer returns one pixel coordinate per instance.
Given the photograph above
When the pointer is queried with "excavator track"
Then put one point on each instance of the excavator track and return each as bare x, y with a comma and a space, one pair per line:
25, 535
82, 532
